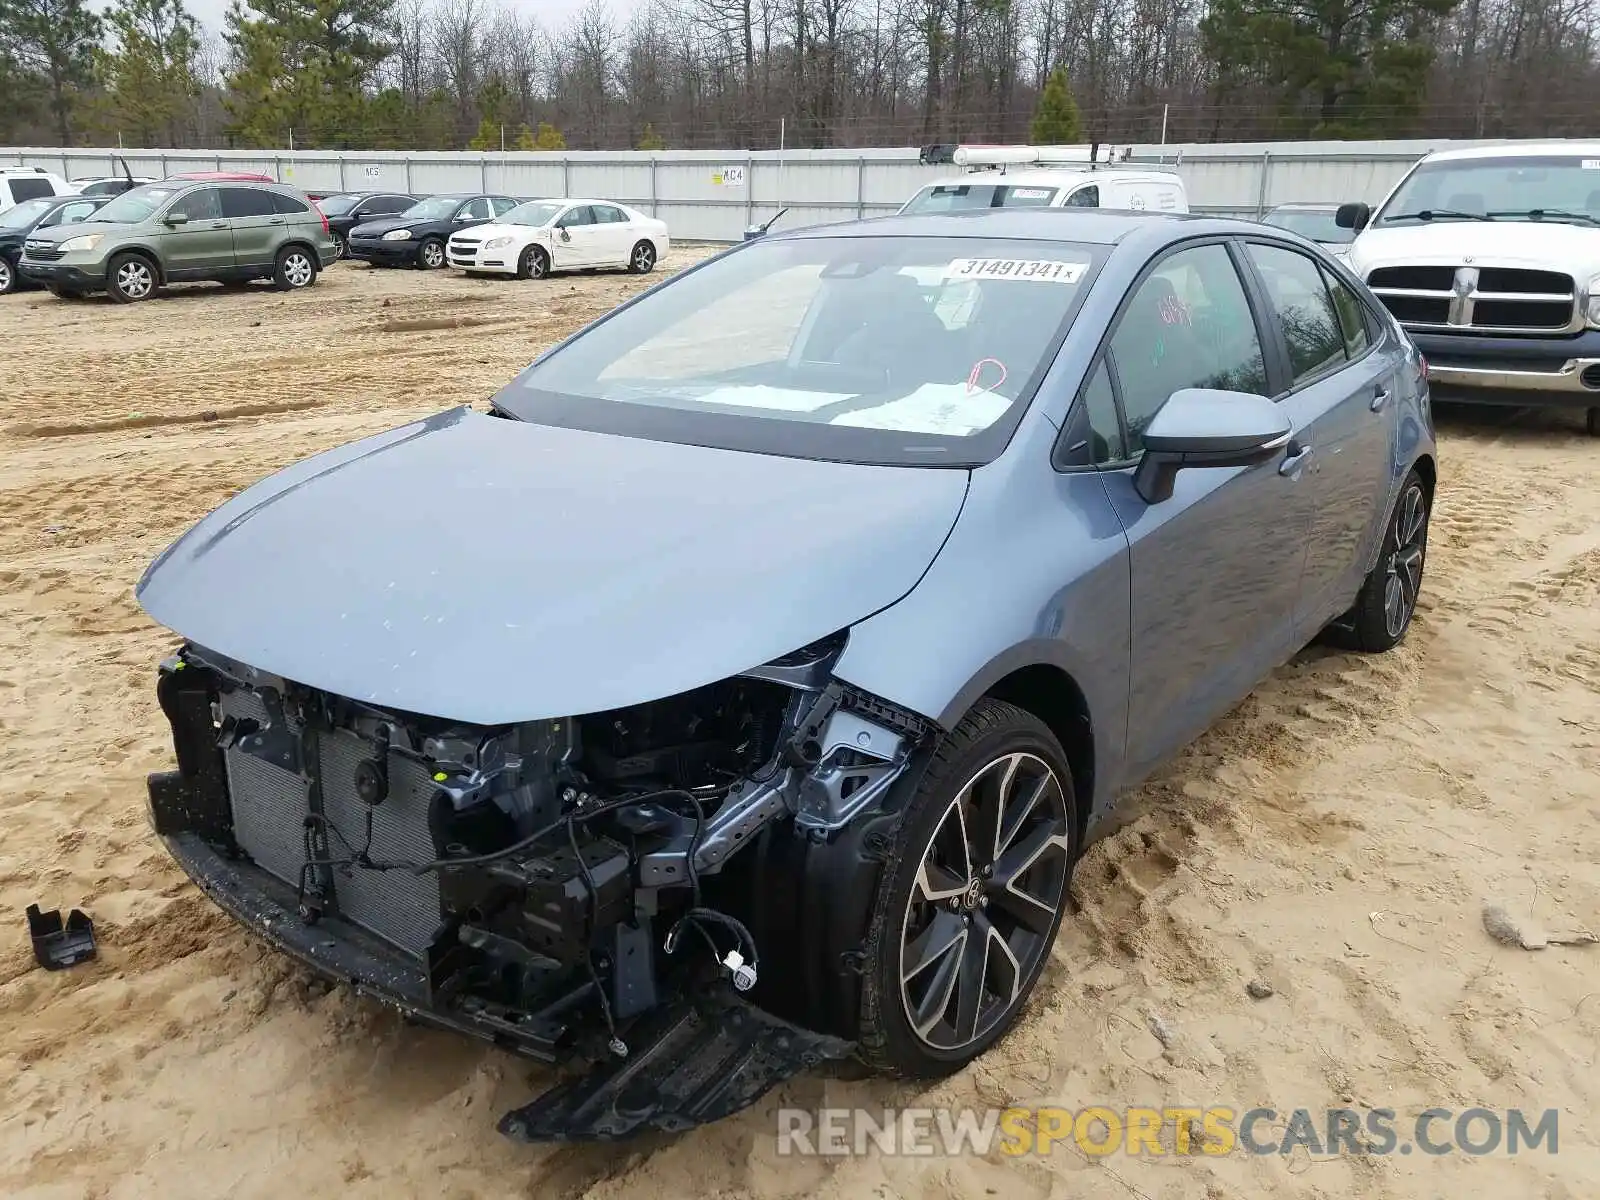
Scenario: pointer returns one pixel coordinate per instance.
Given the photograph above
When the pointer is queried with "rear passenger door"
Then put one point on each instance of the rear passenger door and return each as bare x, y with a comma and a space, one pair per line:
257, 225
203, 244
1216, 566
614, 236
1339, 401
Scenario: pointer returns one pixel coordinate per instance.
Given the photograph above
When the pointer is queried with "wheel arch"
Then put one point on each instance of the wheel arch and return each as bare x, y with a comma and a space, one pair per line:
298, 243
1428, 469
139, 251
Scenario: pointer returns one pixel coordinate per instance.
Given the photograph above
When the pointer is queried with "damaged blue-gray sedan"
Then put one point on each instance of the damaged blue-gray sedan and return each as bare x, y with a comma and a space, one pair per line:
738, 692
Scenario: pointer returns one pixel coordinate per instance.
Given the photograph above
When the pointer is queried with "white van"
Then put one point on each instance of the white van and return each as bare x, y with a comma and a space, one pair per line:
30, 183
1044, 177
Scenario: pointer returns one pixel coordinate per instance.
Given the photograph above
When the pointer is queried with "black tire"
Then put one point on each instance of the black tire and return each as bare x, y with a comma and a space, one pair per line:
9, 281
131, 278
642, 258
1592, 424
295, 269
430, 254
919, 902
534, 263
341, 248
1379, 618
63, 293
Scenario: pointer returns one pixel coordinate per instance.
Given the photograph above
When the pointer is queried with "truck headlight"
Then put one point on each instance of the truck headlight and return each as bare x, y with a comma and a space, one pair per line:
495, 243
397, 235
1591, 303
87, 241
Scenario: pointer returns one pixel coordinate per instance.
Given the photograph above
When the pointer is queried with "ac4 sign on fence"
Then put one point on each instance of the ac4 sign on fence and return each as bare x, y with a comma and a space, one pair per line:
729, 177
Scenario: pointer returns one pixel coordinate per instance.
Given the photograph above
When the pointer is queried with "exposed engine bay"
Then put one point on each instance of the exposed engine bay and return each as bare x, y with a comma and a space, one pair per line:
558, 887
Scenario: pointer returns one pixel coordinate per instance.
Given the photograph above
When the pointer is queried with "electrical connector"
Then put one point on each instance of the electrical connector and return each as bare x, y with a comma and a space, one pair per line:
744, 975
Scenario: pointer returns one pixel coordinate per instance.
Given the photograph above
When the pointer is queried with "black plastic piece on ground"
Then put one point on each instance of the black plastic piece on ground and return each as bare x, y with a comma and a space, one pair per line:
58, 944
694, 1062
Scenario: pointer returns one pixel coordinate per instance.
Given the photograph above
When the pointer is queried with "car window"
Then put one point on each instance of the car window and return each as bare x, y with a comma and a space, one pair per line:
605, 214
1304, 309
287, 205
477, 210
1085, 197
502, 205
954, 197
387, 205
1187, 325
1352, 320
576, 216
246, 202
67, 214
205, 204
1105, 430
23, 188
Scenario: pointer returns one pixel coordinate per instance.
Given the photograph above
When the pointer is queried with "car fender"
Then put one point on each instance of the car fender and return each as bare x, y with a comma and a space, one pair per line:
1035, 572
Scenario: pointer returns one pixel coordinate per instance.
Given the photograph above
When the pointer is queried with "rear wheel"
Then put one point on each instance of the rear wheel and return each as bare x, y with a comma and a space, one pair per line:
8, 276
534, 263
430, 255
130, 278
643, 259
1388, 599
969, 905
341, 248
294, 270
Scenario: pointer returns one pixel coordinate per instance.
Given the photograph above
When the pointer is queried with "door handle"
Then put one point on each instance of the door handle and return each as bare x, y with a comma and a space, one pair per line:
1379, 399
274, 220
219, 224
1297, 457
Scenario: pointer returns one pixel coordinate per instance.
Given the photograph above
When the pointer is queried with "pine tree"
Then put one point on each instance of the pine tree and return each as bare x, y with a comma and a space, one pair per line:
55, 41
1055, 120
549, 138
650, 139
150, 77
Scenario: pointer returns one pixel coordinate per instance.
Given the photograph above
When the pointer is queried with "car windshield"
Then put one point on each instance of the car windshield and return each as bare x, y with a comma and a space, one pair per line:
1549, 187
1316, 224
952, 197
882, 350
25, 214
432, 209
136, 204
535, 212
337, 206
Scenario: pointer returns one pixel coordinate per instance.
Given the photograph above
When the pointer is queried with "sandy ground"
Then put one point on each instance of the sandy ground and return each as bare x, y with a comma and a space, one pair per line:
1334, 837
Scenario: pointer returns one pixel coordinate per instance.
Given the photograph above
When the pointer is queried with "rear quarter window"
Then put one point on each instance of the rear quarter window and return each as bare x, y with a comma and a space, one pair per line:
287, 205
24, 188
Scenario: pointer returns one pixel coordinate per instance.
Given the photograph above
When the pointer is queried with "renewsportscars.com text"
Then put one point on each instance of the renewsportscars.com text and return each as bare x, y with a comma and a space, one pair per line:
1175, 1130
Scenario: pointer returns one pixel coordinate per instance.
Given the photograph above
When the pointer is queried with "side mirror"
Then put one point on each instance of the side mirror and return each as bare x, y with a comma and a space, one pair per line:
1353, 216
565, 235
176, 219
1206, 427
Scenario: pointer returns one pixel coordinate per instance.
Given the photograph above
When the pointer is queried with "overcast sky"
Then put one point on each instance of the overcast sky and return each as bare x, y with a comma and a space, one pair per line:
551, 13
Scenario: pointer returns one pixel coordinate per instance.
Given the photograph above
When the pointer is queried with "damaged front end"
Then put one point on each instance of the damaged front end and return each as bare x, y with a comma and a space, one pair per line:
560, 888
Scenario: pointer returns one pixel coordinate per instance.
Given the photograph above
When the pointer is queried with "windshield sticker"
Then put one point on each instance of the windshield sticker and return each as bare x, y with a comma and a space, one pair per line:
938, 408
775, 399
1022, 193
1591, 164
1038, 270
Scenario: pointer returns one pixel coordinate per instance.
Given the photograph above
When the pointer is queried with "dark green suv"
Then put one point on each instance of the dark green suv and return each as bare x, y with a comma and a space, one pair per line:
179, 232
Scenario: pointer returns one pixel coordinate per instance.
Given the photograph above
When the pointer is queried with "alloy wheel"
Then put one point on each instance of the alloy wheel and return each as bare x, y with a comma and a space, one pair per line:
432, 255
1403, 570
297, 270
643, 258
134, 279
535, 264
7, 279
341, 248
988, 891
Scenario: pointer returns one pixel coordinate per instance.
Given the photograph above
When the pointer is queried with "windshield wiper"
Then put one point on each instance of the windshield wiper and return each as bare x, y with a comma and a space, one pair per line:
1429, 214
1549, 214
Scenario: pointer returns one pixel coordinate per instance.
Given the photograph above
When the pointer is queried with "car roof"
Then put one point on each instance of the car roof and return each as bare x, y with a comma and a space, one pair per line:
1096, 226
1304, 206
1055, 176
1575, 148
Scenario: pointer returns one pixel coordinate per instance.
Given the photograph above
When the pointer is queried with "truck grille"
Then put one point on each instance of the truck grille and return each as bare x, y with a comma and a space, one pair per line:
270, 805
1478, 299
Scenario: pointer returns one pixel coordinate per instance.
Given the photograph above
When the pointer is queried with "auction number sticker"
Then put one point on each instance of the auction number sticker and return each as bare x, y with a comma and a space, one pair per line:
1591, 164
1040, 270
1023, 193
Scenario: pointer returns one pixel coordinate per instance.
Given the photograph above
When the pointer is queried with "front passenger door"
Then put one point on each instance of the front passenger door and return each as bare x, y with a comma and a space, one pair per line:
474, 212
203, 244
574, 240
1215, 567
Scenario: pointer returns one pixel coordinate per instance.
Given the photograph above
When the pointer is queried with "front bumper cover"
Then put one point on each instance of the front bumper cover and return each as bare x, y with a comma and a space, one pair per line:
1553, 371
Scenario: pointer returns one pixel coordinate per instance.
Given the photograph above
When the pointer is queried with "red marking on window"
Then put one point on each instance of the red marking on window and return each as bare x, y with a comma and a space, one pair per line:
977, 374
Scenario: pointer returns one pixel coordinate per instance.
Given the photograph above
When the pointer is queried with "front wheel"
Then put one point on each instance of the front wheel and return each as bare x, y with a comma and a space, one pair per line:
430, 255
534, 263
131, 278
1388, 598
643, 259
294, 270
63, 293
8, 276
964, 917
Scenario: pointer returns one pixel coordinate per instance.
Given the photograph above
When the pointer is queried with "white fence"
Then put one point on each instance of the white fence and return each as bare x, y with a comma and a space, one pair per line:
708, 195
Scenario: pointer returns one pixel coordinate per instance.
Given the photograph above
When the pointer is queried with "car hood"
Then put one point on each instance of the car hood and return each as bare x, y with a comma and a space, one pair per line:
1539, 244
489, 570
520, 232
382, 226
60, 233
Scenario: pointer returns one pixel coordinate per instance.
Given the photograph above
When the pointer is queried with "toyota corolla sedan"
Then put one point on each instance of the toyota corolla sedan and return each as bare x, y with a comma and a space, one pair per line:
739, 691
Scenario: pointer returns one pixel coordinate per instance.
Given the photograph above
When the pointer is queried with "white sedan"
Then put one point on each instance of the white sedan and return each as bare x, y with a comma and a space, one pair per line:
542, 236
